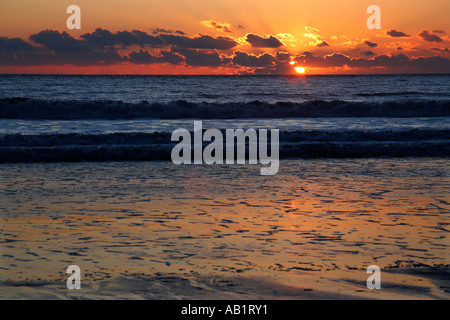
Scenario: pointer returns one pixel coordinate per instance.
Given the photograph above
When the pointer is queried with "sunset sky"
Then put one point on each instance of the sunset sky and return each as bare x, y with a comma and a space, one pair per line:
224, 37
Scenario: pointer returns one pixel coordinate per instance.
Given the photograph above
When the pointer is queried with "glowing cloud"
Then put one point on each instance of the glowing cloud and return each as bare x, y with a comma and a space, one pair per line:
219, 26
312, 33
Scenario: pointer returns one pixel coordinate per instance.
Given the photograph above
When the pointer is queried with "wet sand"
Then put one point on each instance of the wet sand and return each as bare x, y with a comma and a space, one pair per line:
153, 230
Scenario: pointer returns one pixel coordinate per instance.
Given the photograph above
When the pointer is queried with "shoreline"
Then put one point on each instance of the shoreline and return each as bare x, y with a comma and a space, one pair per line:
216, 287
317, 224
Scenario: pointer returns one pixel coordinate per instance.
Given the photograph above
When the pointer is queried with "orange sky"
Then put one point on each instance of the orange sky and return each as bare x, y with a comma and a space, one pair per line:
322, 28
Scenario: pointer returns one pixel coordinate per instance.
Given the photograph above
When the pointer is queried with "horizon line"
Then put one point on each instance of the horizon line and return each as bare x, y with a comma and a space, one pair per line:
225, 75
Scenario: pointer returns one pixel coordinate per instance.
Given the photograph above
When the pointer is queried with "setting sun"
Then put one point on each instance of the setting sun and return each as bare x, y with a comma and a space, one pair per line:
300, 69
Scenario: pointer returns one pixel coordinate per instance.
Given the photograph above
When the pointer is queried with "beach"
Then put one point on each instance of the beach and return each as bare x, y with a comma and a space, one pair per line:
154, 230
239, 156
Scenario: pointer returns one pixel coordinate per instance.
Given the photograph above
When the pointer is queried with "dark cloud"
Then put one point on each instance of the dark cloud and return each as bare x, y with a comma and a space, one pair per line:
15, 44
309, 59
202, 58
249, 60
160, 30
431, 64
104, 57
368, 53
124, 38
390, 61
283, 56
332, 60
337, 60
443, 51
87, 58
384, 61
260, 42
371, 44
399, 63
24, 58
200, 42
144, 57
323, 44
59, 41
397, 34
102, 47
430, 37
439, 31
51, 47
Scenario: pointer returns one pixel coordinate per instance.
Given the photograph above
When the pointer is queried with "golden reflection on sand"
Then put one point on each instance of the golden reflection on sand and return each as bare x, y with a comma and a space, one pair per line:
315, 234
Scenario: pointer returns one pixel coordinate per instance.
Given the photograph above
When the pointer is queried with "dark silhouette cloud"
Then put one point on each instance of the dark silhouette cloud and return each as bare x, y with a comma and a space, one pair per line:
59, 41
260, 42
431, 64
283, 56
400, 62
144, 57
165, 37
202, 58
443, 51
368, 53
389, 61
309, 59
397, 34
249, 60
105, 48
15, 44
323, 44
124, 38
200, 42
160, 30
57, 48
337, 60
51, 47
371, 44
37, 58
95, 57
430, 37
23, 58
439, 31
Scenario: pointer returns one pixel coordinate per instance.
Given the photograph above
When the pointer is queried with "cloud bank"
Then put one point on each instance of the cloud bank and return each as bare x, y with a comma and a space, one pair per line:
244, 55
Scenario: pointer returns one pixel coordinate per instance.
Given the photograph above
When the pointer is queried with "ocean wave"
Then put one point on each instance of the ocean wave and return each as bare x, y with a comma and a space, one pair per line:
163, 152
158, 145
24, 108
141, 138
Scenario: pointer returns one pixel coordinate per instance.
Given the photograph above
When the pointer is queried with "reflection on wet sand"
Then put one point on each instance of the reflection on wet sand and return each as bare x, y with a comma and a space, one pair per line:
156, 230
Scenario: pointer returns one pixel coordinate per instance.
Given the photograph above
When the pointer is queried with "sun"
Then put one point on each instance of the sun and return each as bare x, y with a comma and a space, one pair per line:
300, 70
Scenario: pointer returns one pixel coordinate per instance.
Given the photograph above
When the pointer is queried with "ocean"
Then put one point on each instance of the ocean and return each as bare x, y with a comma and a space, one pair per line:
86, 179
76, 118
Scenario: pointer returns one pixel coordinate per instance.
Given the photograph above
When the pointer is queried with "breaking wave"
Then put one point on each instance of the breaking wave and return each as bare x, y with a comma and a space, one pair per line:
24, 108
158, 145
